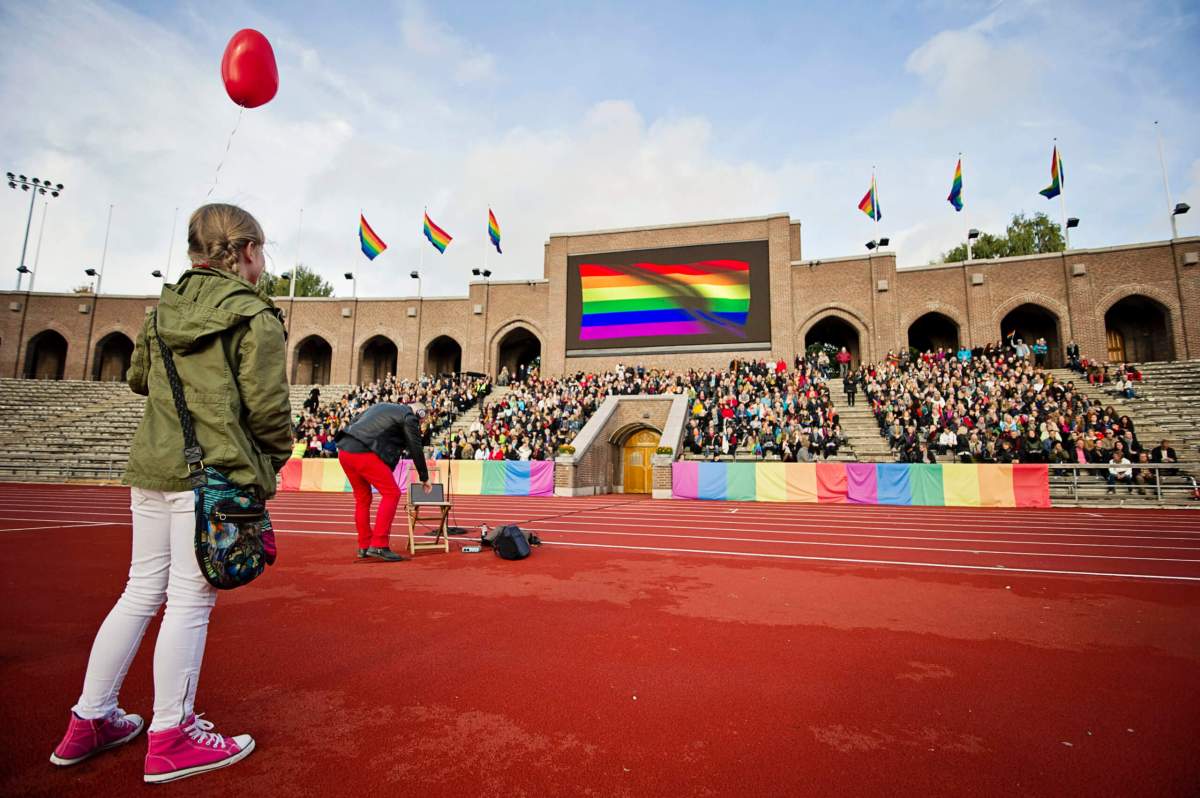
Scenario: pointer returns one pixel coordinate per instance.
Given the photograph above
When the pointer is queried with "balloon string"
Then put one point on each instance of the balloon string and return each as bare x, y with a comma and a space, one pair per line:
228, 144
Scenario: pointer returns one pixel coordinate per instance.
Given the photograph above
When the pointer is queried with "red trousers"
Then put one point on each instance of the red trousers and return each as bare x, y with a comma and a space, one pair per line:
365, 471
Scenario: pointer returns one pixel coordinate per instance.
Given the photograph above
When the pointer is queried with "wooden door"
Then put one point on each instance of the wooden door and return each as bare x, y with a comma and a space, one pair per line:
1116, 346
638, 467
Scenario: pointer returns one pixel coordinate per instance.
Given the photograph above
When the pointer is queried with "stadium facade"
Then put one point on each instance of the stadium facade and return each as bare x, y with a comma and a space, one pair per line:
1136, 302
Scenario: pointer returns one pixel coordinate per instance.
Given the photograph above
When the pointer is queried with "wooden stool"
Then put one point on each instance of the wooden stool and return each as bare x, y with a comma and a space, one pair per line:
441, 541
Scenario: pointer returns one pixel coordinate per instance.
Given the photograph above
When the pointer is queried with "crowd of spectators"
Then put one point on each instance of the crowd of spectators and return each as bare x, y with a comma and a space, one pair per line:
444, 398
991, 404
997, 405
752, 409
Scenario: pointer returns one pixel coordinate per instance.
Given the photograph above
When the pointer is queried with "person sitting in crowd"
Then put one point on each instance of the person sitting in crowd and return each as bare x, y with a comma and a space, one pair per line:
1119, 471
998, 406
1163, 453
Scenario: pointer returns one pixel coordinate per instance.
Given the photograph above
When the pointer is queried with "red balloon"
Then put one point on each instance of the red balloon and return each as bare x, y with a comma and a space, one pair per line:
249, 70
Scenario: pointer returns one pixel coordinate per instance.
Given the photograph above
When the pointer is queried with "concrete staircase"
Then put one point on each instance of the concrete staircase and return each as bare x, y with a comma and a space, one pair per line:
1149, 429
74, 429
860, 427
1169, 397
472, 414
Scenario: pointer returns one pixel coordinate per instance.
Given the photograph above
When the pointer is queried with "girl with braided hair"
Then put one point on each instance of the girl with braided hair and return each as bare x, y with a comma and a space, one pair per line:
227, 342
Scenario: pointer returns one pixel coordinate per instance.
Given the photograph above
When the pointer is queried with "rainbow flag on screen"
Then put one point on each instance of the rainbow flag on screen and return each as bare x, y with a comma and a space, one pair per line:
1056, 176
652, 300
870, 203
494, 230
436, 235
372, 244
955, 197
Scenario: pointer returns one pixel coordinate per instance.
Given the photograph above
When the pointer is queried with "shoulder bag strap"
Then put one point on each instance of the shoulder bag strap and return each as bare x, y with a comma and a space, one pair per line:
193, 455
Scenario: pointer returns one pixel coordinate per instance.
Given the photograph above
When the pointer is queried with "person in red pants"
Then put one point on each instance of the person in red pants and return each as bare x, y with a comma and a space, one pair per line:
369, 450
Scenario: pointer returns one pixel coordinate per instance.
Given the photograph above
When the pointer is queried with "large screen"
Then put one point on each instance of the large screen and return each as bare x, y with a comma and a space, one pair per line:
710, 297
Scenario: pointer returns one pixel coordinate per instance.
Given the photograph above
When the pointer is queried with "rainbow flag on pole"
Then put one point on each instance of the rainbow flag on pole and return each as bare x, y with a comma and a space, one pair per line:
436, 235
955, 197
372, 244
494, 230
1056, 176
870, 203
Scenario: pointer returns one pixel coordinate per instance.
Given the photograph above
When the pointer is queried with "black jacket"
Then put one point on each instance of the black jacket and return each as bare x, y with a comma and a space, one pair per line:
388, 430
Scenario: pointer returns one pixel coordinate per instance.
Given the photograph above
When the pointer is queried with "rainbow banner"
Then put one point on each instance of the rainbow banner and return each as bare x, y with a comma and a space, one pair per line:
1056, 176
461, 477
494, 230
371, 243
436, 235
648, 300
955, 197
870, 203
927, 485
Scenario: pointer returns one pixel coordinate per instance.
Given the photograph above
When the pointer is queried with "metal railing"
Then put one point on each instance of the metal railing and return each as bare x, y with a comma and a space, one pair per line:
1148, 483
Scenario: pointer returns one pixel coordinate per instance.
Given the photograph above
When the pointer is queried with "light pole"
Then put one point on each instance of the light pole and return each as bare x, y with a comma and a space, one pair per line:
290, 277
1180, 209
34, 186
972, 234
416, 275
87, 353
353, 324
1072, 222
487, 306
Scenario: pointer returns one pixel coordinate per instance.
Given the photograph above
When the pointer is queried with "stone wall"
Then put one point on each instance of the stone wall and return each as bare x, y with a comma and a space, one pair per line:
877, 300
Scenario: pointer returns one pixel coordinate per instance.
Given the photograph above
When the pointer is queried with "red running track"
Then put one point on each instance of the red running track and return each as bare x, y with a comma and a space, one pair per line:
649, 648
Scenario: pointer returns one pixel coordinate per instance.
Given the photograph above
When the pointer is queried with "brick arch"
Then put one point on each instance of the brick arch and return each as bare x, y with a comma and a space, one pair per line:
509, 325
845, 313
934, 306
1169, 302
366, 339
1062, 321
1031, 298
100, 334
625, 432
296, 337
23, 353
95, 365
493, 346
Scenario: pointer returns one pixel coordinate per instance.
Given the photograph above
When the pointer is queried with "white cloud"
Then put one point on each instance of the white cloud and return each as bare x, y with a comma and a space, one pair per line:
149, 140
435, 40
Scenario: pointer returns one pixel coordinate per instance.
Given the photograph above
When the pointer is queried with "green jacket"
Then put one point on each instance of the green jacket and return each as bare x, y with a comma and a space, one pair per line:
228, 345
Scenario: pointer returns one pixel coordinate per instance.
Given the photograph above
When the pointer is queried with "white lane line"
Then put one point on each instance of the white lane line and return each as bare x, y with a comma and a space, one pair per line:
782, 526
1075, 556
951, 566
53, 525
778, 528
976, 552
925, 516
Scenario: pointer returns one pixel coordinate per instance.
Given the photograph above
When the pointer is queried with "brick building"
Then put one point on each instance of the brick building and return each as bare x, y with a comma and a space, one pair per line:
1137, 302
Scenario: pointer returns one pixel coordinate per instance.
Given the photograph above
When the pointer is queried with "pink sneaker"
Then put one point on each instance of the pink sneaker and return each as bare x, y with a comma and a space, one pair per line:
84, 738
191, 748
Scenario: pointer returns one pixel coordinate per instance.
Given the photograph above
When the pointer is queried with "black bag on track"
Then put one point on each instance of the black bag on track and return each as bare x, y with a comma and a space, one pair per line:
510, 543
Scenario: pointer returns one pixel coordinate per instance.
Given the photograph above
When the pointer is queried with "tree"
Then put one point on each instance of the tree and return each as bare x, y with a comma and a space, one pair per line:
1026, 235
86, 288
308, 283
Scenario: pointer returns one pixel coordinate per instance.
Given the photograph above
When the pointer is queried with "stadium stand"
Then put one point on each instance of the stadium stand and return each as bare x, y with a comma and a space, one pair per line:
81, 431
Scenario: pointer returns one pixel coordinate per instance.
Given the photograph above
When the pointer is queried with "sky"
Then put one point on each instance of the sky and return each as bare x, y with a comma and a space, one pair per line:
574, 116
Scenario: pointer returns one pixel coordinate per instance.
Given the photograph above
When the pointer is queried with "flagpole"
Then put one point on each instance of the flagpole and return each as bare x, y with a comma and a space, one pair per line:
959, 168
296, 268
1062, 199
1166, 186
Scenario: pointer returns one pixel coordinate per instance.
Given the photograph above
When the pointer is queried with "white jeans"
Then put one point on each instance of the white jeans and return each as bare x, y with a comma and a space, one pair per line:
163, 566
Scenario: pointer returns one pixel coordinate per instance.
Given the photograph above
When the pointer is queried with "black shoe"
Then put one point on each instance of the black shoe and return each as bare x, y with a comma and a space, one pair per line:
384, 553
362, 554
